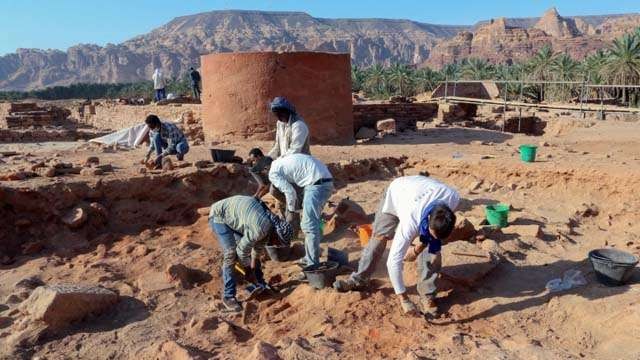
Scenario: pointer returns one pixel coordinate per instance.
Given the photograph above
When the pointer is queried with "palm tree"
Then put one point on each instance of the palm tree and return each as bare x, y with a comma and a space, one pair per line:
477, 69
564, 69
541, 66
375, 80
426, 79
400, 76
592, 67
451, 71
357, 78
623, 62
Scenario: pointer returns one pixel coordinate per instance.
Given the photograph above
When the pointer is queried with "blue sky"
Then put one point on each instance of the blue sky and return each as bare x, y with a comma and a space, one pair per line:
59, 24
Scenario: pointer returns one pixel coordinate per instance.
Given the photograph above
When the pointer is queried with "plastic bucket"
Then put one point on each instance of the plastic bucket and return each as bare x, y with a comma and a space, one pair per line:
528, 153
612, 267
278, 253
364, 233
497, 215
335, 255
220, 155
321, 275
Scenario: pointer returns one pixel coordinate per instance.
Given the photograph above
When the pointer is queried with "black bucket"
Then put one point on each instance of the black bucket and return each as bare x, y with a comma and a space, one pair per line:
612, 267
321, 275
220, 155
278, 253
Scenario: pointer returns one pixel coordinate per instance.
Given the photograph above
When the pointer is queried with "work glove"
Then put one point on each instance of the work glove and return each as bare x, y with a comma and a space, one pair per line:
408, 307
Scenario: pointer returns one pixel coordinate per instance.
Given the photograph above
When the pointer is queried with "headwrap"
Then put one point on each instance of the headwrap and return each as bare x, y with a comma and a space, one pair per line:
280, 102
283, 229
425, 235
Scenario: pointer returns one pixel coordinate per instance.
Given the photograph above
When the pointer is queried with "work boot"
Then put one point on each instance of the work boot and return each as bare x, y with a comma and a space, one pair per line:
231, 304
348, 285
180, 156
429, 306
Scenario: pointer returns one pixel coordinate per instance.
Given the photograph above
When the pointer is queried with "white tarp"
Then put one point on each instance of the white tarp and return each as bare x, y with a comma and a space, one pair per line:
129, 137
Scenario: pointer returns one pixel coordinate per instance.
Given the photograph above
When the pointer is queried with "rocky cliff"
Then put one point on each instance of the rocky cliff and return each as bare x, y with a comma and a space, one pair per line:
178, 44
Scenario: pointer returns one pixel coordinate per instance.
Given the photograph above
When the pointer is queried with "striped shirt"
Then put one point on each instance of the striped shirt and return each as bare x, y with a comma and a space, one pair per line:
244, 215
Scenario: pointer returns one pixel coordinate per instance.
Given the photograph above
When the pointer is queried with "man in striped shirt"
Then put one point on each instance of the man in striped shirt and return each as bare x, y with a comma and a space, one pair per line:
243, 226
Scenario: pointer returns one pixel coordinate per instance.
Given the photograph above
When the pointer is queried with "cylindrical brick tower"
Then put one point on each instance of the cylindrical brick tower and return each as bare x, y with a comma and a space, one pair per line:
238, 87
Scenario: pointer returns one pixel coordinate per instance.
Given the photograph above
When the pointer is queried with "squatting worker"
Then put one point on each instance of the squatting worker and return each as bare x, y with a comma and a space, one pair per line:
292, 137
314, 178
244, 225
412, 206
166, 139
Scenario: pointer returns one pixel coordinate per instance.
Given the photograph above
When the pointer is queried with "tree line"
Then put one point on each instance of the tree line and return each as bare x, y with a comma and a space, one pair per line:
618, 64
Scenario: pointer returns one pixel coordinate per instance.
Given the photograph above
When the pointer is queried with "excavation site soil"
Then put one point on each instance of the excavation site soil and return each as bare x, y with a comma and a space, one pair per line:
143, 235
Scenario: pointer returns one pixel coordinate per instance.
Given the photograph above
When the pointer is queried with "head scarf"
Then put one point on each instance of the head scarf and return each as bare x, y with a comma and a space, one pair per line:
280, 102
425, 235
283, 229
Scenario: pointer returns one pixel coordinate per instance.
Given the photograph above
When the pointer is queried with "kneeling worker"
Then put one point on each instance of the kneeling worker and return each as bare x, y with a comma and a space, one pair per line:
166, 139
412, 206
244, 225
314, 178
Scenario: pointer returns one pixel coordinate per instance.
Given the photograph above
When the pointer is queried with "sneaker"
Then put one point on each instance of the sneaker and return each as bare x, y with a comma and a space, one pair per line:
429, 306
347, 285
232, 304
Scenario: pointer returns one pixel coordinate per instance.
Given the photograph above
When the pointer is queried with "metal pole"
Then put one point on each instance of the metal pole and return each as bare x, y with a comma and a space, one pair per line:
454, 88
446, 86
581, 98
520, 108
504, 110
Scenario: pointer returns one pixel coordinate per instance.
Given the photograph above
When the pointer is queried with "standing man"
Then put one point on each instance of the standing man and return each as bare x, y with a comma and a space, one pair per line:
412, 206
159, 85
243, 225
312, 175
292, 137
195, 82
166, 139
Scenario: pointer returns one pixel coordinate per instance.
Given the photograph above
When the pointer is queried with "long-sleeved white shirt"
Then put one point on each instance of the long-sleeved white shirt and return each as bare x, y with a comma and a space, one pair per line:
406, 198
300, 169
292, 137
158, 80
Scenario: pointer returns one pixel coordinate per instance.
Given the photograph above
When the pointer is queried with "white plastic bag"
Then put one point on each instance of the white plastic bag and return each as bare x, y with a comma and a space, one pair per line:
571, 278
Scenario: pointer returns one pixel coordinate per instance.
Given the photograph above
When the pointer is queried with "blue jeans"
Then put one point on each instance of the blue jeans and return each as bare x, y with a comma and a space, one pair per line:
315, 197
180, 149
160, 94
228, 239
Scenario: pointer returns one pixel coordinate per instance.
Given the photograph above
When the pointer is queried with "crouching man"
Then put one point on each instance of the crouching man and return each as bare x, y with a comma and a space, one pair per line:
412, 206
244, 225
166, 139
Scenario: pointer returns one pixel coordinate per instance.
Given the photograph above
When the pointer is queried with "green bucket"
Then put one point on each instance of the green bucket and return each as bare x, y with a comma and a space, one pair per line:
498, 215
528, 153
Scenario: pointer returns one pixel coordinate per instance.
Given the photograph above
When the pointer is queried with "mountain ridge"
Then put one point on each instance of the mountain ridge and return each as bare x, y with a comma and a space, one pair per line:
177, 44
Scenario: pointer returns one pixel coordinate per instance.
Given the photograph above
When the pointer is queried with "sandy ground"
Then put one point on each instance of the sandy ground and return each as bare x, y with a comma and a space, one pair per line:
506, 315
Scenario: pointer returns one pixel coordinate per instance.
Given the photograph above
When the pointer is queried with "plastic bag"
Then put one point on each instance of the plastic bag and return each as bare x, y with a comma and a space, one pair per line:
571, 278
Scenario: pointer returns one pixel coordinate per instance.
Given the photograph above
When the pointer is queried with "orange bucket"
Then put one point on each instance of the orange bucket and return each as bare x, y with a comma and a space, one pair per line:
364, 233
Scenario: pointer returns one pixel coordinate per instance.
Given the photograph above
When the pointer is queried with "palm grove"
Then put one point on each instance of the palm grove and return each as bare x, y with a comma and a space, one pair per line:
618, 64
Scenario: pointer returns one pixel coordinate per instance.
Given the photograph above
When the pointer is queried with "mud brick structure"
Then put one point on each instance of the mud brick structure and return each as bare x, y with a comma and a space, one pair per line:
405, 115
237, 89
22, 115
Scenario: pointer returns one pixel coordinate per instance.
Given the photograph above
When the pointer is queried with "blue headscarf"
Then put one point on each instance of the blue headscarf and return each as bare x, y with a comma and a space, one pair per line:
280, 102
434, 244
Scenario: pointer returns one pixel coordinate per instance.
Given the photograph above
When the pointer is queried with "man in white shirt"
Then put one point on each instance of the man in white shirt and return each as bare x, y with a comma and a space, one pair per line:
292, 137
159, 85
413, 206
312, 175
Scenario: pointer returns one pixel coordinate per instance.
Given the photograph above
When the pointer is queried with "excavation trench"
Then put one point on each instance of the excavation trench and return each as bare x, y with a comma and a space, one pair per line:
34, 216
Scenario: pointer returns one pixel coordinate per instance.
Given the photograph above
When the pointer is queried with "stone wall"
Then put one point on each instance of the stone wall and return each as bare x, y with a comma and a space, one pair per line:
405, 115
237, 89
113, 116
